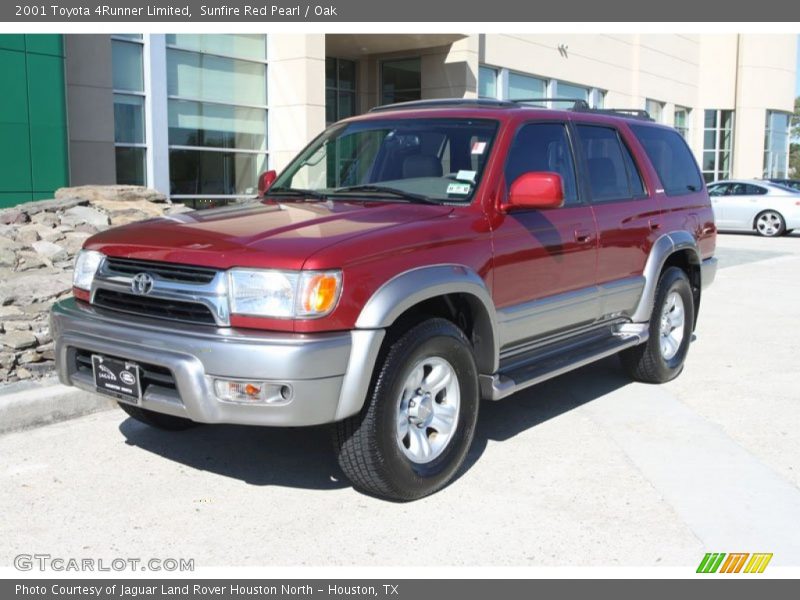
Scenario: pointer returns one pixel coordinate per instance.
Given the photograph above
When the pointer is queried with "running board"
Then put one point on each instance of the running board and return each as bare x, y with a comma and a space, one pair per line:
544, 365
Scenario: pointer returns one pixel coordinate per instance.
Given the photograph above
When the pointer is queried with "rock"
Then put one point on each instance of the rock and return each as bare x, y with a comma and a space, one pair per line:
52, 205
86, 228
45, 219
30, 260
86, 214
41, 369
23, 373
49, 250
10, 312
7, 360
8, 243
18, 340
123, 193
125, 217
13, 216
28, 234
7, 258
28, 357
43, 339
54, 235
16, 326
177, 209
73, 241
35, 286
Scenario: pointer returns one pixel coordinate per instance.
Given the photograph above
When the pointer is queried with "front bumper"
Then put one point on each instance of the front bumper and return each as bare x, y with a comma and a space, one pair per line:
328, 373
708, 272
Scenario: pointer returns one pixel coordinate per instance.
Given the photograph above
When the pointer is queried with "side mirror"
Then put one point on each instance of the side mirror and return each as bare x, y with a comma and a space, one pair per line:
265, 180
539, 189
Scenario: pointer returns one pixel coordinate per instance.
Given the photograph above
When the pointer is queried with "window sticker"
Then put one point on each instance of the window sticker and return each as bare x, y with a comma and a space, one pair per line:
464, 175
459, 188
479, 147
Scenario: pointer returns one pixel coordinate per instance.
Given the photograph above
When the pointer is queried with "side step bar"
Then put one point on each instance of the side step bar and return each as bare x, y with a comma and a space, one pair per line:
544, 365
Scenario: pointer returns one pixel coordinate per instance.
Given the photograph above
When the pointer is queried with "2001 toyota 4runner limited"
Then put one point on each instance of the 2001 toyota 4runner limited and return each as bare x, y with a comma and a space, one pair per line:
408, 263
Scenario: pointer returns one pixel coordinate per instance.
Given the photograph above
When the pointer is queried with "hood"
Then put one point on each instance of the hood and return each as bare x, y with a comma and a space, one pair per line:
266, 235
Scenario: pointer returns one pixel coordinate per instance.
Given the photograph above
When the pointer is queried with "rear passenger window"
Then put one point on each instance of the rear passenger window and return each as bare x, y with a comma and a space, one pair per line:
671, 158
543, 147
612, 172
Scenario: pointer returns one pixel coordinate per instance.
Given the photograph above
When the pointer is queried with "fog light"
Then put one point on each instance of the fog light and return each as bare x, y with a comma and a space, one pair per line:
252, 392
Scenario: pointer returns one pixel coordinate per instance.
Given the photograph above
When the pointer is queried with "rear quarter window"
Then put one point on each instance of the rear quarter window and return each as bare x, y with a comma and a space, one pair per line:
671, 158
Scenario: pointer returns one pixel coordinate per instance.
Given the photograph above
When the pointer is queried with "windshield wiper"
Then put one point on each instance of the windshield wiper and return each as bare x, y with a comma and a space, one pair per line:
299, 192
380, 189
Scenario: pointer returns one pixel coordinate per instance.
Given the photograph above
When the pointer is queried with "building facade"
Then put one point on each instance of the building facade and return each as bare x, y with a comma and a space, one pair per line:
199, 116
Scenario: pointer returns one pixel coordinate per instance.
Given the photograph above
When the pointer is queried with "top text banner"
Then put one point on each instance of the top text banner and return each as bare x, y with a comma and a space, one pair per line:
441, 11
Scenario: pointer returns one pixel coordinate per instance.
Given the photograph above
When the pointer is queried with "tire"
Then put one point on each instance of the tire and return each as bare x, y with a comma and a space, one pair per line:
407, 395
157, 420
661, 358
770, 223
788, 231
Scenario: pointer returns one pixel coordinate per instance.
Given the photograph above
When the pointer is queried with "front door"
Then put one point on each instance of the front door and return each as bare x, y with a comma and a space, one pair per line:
545, 260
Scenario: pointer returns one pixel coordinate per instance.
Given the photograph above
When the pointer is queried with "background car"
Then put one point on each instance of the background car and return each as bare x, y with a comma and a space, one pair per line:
790, 183
748, 204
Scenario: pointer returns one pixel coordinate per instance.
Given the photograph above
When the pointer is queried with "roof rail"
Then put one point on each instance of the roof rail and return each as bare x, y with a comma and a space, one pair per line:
628, 113
445, 103
577, 104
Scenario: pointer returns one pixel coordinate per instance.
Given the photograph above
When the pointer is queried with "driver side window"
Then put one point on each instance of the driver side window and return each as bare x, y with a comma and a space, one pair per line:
543, 147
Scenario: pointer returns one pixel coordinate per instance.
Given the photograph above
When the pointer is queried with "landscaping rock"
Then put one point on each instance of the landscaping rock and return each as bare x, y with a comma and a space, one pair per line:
18, 340
7, 258
49, 250
13, 216
85, 214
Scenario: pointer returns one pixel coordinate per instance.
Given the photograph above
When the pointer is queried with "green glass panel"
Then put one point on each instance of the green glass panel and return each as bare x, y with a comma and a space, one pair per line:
487, 82
52, 44
13, 198
12, 41
240, 45
15, 158
46, 90
48, 158
14, 99
127, 68
207, 77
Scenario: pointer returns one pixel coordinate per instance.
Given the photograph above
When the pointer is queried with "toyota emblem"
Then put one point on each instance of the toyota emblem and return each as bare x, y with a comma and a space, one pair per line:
142, 284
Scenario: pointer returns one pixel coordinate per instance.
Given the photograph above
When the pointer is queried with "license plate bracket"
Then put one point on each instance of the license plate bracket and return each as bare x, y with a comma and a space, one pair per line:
118, 378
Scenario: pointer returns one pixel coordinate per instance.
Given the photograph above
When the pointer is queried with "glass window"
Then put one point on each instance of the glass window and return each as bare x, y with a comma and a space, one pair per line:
128, 36
216, 79
655, 109
681, 121
522, 87
130, 165
208, 172
543, 147
717, 144
605, 163
401, 80
568, 90
671, 158
127, 69
487, 82
439, 159
239, 45
776, 145
217, 125
128, 119
340, 89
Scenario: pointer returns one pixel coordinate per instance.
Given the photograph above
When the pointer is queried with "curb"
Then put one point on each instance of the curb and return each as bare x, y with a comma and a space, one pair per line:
48, 402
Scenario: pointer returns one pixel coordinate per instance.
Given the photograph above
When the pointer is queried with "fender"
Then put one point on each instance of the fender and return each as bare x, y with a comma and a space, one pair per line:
398, 295
662, 249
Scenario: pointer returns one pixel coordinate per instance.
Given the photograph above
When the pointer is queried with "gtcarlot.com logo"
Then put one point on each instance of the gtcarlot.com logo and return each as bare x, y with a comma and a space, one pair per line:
735, 562
48, 562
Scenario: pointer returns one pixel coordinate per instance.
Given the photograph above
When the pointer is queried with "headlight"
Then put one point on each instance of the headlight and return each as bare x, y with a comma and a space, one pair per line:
86, 265
284, 294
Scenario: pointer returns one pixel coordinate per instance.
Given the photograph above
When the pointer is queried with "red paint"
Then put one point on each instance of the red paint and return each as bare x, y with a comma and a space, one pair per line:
536, 190
521, 255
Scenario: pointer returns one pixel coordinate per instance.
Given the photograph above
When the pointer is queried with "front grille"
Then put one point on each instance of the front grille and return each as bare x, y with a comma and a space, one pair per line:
148, 374
166, 271
158, 308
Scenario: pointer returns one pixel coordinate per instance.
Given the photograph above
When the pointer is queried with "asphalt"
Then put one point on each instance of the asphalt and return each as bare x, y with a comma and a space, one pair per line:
587, 469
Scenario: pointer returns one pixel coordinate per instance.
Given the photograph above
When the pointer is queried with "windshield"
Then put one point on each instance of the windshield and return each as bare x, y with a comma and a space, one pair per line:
396, 159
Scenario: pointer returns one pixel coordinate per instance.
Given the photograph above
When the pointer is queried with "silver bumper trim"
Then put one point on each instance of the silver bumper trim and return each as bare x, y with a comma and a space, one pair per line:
318, 367
708, 272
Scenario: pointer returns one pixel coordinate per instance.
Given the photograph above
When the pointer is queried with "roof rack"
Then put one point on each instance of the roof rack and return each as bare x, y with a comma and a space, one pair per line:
578, 105
445, 103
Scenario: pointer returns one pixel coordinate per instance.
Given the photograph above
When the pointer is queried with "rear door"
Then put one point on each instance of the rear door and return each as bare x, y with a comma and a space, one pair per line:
718, 192
627, 215
545, 260
743, 204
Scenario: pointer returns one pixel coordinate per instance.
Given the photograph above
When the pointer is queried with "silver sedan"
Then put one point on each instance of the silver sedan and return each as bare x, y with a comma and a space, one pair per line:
755, 205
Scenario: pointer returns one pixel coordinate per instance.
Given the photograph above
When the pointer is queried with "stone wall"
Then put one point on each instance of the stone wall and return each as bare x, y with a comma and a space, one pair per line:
38, 243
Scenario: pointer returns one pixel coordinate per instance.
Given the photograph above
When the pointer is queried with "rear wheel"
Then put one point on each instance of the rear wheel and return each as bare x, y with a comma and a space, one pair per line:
157, 420
419, 419
662, 357
770, 223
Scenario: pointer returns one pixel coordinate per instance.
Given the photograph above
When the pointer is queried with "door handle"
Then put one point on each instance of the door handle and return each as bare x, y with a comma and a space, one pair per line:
583, 236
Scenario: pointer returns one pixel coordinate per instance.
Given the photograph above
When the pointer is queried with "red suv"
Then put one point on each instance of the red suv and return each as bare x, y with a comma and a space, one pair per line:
407, 264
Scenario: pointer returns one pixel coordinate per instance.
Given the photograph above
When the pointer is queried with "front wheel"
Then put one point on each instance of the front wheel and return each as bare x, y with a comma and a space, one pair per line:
770, 223
419, 419
661, 358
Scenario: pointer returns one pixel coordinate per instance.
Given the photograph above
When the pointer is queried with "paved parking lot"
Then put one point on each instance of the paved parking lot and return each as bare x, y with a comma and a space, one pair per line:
587, 469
